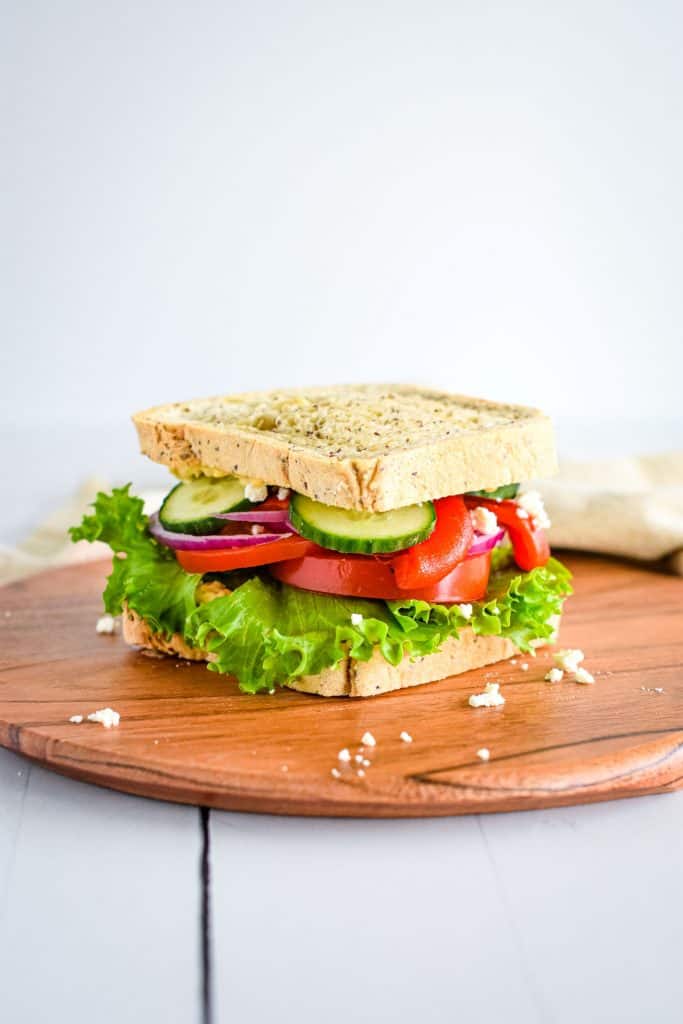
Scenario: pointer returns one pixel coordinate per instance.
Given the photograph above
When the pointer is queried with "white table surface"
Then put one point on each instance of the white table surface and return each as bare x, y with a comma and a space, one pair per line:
106, 912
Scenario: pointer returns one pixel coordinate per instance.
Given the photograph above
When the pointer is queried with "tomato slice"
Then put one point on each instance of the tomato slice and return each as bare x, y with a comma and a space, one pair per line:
530, 546
445, 548
328, 572
227, 559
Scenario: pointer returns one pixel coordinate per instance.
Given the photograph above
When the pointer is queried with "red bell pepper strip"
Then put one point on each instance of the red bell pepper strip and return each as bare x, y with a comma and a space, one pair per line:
530, 546
446, 546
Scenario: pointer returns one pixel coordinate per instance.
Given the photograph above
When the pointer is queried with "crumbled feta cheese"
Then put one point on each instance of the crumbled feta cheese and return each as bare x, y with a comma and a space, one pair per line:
569, 660
358, 758
255, 491
106, 717
490, 698
484, 754
524, 666
483, 520
282, 493
336, 773
356, 619
554, 675
406, 737
106, 624
76, 719
368, 740
344, 755
532, 504
366, 763
522, 513
256, 528
360, 773
513, 661
582, 675
465, 610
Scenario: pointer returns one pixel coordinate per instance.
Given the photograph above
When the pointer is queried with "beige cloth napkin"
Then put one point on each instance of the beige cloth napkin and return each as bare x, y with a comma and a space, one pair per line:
629, 507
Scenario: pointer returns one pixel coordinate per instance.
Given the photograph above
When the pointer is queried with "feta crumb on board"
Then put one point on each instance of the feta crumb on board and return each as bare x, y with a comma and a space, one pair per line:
524, 666
356, 619
465, 611
76, 719
532, 503
106, 717
406, 737
360, 773
106, 624
255, 491
569, 660
335, 773
368, 740
484, 521
555, 675
582, 675
490, 698
344, 755
484, 754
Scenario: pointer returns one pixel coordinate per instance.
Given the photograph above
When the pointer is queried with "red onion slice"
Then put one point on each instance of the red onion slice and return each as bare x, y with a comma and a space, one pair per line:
189, 542
272, 516
485, 542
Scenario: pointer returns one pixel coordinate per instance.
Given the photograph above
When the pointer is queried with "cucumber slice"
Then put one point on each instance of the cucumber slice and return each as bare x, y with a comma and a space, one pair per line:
361, 533
498, 494
192, 505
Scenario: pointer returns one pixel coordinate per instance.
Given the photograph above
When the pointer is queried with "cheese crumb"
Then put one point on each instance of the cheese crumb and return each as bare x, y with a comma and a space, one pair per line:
366, 763
282, 493
360, 773
490, 698
532, 504
368, 740
106, 624
255, 491
336, 773
406, 737
256, 528
569, 660
582, 675
106, 717
344, 755
358, 758
356, 619
524, 666
484, 521
465, 611
484, 754
76, 719
555, 675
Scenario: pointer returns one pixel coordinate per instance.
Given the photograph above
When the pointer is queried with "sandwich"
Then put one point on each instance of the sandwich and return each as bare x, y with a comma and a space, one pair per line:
342, 541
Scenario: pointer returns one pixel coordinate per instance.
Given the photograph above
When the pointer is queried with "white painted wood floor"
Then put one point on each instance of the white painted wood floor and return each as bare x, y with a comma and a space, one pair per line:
547, 916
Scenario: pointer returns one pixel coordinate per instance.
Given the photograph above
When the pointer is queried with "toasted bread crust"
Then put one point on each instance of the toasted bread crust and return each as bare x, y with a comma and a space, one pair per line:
371, 447
356, 678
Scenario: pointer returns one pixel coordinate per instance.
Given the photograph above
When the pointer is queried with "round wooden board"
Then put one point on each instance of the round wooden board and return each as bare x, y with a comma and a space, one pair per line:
189, 735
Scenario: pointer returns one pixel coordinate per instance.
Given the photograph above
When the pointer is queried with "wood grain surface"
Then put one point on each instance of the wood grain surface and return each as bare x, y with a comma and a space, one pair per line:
189, 735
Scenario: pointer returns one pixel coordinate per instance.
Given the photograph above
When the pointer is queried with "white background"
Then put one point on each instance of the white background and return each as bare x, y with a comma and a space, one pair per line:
211, 197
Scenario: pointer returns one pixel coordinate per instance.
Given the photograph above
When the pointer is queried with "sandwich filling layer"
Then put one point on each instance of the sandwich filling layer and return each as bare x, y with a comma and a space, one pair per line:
269, 620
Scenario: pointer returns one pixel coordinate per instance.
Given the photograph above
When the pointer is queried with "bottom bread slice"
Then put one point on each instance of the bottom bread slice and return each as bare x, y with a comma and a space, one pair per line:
353, 678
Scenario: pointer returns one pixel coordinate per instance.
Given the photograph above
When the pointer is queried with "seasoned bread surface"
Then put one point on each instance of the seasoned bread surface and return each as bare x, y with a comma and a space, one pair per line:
356, 678
373, 447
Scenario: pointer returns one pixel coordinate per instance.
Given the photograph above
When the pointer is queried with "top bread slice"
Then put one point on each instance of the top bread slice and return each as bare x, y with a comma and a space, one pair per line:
370, 447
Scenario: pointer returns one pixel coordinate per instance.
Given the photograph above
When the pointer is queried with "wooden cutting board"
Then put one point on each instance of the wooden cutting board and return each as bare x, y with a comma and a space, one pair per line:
189, 735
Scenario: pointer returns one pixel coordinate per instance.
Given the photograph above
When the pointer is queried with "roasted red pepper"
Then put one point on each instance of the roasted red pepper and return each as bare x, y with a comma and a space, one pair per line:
446, 546
530, 546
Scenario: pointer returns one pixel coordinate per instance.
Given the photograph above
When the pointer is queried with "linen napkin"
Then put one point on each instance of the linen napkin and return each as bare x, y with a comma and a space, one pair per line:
631, 507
